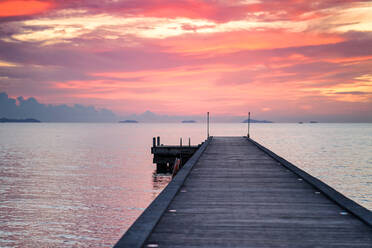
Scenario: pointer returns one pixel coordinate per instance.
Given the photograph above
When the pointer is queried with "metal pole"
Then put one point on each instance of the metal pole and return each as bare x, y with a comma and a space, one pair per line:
207, 124
153, 142
158, 141
181, 150
249, 122
189, 142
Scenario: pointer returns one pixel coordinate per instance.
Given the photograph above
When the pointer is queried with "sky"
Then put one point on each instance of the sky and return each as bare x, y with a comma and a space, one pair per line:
287, 60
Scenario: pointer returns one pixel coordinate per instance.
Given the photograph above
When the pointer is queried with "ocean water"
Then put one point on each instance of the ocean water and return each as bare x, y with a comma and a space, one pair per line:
84, 184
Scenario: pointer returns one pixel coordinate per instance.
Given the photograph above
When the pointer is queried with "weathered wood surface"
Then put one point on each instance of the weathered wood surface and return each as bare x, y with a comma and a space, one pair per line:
238, 196
174, 150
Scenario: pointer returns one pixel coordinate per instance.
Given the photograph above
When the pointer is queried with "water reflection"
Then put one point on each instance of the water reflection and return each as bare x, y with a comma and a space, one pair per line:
160, 181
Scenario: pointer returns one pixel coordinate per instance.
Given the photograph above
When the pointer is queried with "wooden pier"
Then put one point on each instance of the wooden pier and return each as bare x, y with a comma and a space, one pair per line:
235, 193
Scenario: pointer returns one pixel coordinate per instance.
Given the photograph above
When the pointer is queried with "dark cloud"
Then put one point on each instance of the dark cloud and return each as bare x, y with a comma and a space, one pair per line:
352, 93
352, 47
86, 60
31, 108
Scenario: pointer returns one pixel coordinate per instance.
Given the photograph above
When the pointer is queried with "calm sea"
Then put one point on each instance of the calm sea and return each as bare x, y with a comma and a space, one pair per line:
83, 185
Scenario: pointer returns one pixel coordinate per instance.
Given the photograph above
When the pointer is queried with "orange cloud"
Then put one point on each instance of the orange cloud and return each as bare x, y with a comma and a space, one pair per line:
253, 40
191, 9
358, 91
23, 7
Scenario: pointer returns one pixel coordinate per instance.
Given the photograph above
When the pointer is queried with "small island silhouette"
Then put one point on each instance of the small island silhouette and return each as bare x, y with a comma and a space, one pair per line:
128, 121
188, 121
257, 121
19, 120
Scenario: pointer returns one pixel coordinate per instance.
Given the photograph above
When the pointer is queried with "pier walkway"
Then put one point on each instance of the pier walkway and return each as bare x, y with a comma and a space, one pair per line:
235, 193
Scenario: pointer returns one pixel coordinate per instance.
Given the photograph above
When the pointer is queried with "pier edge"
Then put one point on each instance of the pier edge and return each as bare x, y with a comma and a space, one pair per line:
140, 230
359, 211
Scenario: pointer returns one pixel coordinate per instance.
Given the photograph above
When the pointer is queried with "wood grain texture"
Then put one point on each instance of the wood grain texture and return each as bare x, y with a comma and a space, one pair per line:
238, 196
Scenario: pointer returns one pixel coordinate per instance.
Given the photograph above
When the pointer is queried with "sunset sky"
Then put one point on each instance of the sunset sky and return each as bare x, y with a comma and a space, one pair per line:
281, 60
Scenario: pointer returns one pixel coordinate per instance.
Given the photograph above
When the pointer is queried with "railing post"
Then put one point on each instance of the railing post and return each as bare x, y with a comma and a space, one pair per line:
207, 124
249, 122
153, 142
181, 150
158, 141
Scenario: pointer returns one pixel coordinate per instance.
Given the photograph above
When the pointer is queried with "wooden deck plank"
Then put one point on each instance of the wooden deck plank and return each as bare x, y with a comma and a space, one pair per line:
238, 196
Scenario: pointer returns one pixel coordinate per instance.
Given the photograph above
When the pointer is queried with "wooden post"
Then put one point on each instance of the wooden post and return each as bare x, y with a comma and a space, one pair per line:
153, 142
189, 142
158, 141
207, 124
181, 149
249, 121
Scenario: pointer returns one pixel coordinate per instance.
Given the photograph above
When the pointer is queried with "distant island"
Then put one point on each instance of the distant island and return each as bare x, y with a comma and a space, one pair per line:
313, 122
19, 120
188, 121
128, 121
257, 121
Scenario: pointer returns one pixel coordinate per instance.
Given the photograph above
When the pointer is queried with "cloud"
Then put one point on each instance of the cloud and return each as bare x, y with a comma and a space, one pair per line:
10, 8
151, 20
353, 93
192, 56
31, 108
